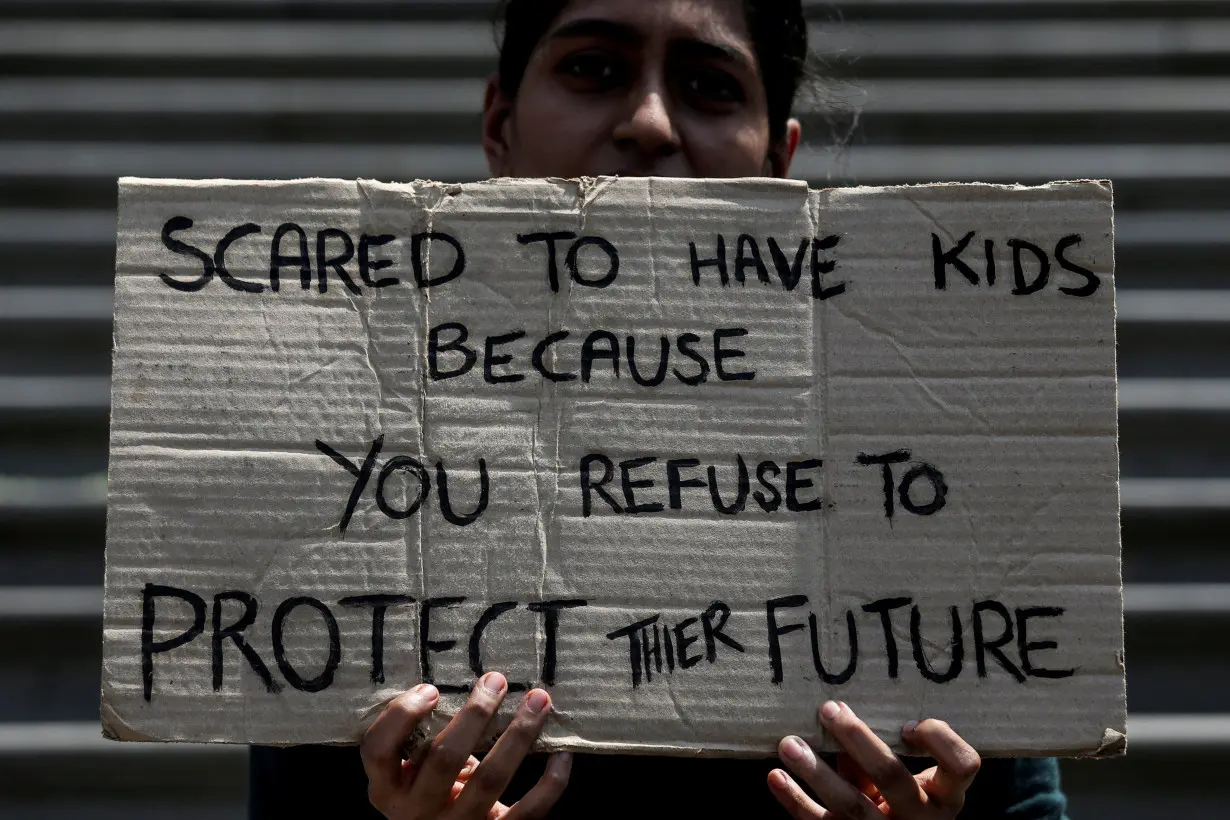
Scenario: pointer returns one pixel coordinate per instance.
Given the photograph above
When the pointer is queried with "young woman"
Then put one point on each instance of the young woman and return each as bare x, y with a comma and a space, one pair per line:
682, 88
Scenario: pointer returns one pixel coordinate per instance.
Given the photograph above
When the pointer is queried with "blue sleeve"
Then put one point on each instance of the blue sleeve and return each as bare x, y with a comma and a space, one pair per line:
1017, 789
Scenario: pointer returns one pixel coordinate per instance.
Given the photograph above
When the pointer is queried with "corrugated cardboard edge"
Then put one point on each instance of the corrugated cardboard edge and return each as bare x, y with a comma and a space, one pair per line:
1115, 742
593, 183
113, 727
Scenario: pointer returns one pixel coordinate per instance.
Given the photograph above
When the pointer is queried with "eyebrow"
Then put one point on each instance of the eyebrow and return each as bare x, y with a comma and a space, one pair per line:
619, 32
596, 27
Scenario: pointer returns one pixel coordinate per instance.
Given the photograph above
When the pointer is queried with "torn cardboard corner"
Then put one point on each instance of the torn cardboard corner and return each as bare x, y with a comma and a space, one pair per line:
695, 455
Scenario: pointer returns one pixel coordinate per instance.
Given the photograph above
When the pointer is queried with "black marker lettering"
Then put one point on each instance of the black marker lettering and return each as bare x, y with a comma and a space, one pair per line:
550, 619
552, 254
540, 352
379, 605
1026, 646
951, 257
235, 633
794, 483
427, 646
278, 260
590, 353
886, 461
683, 641
476, 639
789, 273
776, 631
675, 483
633, 633
493, 360
325, 678
821, 268
939, 490
612, 256
817, 661
458, 345
956, 650
362, 475
684, 343
769, 503
368, 266
174, 225
588, 484
720, 355
630, 487
1092, 282
747, 255
982, 646
718, 262
337, 263
149, 647
653, 651
664, 355
446, 506
713, 631
1024, 288
408, 465
737, 506
420, 269
884, 608
233, 236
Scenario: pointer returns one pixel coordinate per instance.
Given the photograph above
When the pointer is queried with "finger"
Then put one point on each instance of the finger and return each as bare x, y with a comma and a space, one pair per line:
451, 749
467, 770
956, 760
546, 792
840, 795
888, 773
496, 771
794, 799
383, 743
850, 770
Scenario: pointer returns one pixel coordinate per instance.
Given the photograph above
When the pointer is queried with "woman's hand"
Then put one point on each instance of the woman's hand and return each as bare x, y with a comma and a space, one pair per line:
872, 782
449, 782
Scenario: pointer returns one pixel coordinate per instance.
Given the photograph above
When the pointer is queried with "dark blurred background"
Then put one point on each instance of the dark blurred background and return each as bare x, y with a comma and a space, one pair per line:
993, 90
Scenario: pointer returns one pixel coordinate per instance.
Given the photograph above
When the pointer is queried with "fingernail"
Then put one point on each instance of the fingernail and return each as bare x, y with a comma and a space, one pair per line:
829, 711
494, 682
537, 700
795, 750
425, 692
909, 728
562, 758
777, 778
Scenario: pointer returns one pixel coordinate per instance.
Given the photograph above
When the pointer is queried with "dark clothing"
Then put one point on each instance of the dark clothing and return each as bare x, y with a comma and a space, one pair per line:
311, 781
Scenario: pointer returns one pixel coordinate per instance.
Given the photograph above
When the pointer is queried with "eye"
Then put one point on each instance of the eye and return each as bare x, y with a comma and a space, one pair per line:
712, 87
591, 71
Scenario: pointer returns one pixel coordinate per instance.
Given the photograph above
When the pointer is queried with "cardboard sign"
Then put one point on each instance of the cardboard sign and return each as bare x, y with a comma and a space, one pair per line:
696, 455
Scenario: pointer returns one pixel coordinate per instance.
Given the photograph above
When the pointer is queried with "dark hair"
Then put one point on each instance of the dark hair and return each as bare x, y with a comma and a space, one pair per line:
778, 30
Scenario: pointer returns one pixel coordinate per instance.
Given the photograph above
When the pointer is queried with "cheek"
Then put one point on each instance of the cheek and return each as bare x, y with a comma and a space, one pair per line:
727, 149
556, 137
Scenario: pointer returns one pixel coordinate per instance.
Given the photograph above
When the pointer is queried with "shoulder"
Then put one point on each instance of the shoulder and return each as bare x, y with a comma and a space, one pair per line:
1019, 788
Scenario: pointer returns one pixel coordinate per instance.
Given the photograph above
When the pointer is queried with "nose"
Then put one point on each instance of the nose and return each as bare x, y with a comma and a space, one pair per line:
647, 132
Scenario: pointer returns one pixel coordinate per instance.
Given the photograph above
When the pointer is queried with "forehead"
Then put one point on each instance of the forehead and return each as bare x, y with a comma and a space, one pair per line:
720, 22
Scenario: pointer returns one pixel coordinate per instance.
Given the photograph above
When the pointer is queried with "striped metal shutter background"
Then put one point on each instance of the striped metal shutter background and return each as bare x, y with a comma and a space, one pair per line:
995, 90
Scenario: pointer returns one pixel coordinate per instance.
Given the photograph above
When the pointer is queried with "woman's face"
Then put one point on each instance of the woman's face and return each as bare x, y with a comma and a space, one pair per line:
639, 88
